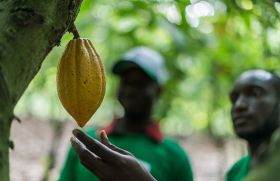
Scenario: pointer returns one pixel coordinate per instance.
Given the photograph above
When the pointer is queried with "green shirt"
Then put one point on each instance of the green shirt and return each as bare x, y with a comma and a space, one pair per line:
166, 160
239, 170
269, 170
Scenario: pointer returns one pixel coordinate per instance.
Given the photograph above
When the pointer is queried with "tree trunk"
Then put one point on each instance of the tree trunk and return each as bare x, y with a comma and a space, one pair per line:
5, 123
4, 147
29, 29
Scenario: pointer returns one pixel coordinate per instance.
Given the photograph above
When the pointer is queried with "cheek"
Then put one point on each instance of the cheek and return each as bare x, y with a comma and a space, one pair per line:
262, 111
152, 93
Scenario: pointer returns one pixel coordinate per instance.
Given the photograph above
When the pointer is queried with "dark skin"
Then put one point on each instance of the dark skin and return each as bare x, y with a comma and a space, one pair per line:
137, 94
255, 111
106, 161
255, 115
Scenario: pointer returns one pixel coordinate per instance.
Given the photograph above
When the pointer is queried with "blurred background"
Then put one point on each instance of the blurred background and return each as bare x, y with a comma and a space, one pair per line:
206, 44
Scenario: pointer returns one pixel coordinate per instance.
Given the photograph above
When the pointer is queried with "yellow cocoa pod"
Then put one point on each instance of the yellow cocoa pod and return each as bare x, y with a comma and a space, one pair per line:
80, 80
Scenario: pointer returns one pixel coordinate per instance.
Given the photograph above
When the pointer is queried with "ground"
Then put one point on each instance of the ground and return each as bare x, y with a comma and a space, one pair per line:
35, 139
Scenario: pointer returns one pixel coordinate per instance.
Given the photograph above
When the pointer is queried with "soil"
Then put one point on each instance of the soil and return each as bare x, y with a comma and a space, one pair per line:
34, 140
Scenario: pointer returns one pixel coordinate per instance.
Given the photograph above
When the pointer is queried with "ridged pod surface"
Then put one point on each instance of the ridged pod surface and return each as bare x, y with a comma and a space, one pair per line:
80, 80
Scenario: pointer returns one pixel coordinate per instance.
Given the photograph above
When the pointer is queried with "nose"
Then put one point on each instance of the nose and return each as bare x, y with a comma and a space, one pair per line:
132, 88
241, 104
129, 90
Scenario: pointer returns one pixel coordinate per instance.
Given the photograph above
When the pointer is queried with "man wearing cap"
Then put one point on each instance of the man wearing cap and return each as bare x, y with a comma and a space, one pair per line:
142, 74
255, 99
255, 114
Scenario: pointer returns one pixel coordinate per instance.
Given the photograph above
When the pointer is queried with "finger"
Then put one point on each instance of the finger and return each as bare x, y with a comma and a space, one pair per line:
95, 146
78, 146
99, 171
119, 150
88, 159
104, 139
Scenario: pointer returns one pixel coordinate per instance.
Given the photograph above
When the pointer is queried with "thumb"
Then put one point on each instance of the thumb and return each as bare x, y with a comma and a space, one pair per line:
104, 138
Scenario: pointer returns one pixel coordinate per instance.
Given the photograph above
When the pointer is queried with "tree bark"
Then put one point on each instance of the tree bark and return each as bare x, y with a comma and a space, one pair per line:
29, 29
5, 123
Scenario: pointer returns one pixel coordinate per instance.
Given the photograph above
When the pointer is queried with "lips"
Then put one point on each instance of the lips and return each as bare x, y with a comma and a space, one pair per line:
240, 120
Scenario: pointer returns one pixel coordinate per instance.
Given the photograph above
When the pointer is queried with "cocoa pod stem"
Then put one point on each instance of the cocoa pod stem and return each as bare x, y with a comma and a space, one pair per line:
74, 31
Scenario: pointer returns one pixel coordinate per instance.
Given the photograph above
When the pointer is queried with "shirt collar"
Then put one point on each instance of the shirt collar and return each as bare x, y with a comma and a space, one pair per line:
152, 130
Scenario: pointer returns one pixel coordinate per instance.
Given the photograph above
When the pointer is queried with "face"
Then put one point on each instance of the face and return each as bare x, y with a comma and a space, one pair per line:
255, 109
137, 93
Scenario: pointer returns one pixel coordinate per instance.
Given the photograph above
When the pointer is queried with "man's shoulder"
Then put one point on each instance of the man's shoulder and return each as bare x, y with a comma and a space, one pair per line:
179, 159
239, 169
172, 146
243, 161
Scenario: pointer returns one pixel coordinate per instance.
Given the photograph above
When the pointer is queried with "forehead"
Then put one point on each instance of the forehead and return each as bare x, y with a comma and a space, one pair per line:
255, 78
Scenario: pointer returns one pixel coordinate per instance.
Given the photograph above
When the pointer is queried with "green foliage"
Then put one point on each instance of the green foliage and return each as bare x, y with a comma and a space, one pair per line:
203, 58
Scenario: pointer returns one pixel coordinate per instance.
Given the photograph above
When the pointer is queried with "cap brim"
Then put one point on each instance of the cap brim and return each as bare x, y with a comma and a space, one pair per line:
123, 65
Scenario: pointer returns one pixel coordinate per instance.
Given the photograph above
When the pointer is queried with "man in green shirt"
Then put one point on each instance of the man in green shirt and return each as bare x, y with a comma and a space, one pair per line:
269, 170
142, 75
255, 110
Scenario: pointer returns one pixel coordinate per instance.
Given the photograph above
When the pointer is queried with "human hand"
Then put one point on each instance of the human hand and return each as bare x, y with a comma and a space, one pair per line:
106, 161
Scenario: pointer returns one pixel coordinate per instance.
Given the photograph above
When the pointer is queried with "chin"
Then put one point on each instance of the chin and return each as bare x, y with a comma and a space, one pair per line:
245, 136
250, 135
134, 114
244, 133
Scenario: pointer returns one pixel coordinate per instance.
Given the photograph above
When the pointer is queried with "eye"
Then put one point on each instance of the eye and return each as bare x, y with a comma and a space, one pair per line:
233, 97
256, 92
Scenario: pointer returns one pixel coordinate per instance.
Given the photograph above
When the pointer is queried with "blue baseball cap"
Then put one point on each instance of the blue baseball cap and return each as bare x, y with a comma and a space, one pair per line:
148, 60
